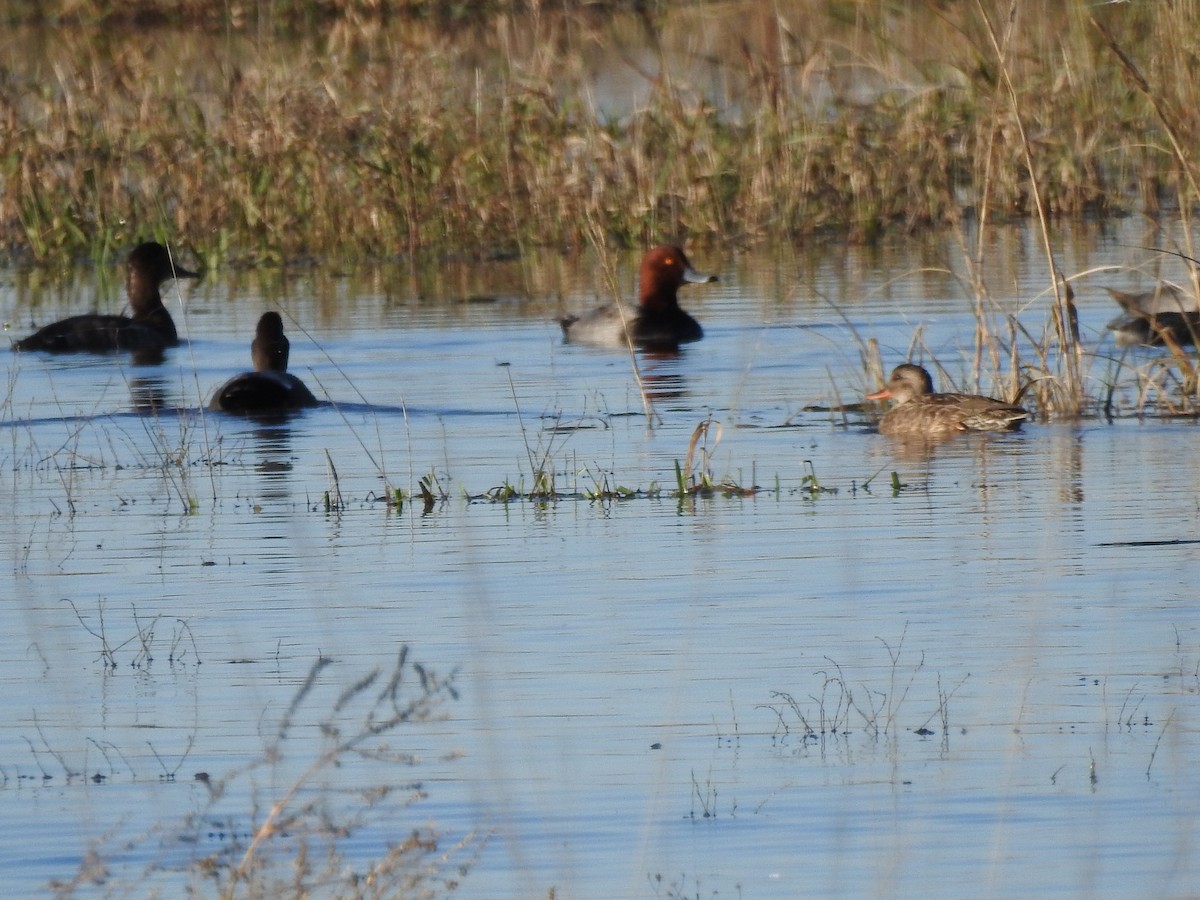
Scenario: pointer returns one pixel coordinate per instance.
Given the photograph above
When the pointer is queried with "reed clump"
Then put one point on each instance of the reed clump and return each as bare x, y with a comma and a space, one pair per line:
378, 135
298, 840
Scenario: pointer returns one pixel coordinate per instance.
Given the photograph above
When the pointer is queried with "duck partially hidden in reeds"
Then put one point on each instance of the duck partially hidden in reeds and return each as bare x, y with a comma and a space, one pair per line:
270, 388
658, 322
1163, 315
148, 331
918, 411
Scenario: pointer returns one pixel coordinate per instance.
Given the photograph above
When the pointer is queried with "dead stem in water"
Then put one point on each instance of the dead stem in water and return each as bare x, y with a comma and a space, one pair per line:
608, 268
296, 844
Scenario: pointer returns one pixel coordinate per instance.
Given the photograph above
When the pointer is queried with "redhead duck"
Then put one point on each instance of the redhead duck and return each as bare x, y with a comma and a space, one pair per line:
270, 387
918, 411
658, 321
1163, 315
148, 331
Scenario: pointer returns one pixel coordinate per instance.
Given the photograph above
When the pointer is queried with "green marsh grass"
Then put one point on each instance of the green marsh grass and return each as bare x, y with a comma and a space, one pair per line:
359, 136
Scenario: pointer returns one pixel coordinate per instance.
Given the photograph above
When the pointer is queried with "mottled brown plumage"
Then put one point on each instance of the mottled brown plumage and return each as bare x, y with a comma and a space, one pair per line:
918, 411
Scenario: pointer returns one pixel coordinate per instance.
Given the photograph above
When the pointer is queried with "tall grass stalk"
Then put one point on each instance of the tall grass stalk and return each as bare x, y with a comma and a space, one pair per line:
378, 458
183, 313
608, 268
1063, 313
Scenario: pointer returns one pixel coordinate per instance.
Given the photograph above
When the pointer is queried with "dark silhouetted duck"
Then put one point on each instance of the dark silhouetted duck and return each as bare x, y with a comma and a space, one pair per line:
658, 321
270, 387
1155, 317
148, 331
919, 412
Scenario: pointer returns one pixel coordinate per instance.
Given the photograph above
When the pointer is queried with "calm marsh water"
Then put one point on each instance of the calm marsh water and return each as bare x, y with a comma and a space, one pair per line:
1009, 643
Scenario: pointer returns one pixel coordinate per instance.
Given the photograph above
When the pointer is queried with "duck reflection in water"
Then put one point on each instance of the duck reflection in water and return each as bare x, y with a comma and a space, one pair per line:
270, 390
273, 441
150, 395
662, 378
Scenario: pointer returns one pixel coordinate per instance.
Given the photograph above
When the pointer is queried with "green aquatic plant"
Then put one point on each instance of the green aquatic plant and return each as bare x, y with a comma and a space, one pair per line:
696, 476
503, 493
616, 493
811, 485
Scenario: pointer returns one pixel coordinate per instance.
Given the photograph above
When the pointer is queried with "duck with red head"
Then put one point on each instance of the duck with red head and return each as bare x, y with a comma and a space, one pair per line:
148, 331
918, 411
270, 388
658, 321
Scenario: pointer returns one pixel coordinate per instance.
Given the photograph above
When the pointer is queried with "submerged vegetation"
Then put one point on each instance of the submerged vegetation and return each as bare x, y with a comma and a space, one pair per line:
264, 137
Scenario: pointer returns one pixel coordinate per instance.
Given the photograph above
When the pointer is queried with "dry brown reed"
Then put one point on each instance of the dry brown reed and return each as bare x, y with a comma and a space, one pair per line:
372, 136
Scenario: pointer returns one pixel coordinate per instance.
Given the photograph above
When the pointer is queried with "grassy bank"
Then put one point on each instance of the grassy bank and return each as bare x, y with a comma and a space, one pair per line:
372, 136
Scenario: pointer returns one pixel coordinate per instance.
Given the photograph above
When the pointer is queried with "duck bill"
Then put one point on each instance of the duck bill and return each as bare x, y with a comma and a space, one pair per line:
181, 272
884, 394
691, 276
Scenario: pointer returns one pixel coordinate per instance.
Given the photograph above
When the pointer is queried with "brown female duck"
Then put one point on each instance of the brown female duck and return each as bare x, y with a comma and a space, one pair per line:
148, 331
918, 411
270, 388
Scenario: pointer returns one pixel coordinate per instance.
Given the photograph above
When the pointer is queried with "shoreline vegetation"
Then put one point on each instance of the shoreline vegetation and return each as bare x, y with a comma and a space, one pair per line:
357, 130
